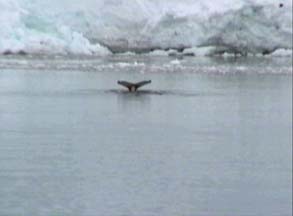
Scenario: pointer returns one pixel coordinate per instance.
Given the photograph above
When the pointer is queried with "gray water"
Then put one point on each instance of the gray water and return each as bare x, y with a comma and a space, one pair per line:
208, 137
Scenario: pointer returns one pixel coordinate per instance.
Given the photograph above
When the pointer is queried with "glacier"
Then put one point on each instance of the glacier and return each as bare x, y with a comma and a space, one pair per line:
105, 27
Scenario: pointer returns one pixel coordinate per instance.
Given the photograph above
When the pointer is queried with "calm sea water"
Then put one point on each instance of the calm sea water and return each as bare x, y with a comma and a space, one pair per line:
208, 137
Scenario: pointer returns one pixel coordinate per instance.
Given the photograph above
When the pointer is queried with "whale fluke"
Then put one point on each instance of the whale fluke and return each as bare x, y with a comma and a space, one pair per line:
132, 87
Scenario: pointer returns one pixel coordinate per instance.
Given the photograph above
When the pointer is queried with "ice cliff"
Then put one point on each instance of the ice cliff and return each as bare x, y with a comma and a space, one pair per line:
103, 27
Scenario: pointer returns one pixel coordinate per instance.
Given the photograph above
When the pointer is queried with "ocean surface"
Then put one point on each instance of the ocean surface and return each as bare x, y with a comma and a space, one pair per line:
208, 136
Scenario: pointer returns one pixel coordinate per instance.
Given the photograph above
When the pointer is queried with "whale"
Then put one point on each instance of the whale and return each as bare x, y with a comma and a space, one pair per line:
133, 87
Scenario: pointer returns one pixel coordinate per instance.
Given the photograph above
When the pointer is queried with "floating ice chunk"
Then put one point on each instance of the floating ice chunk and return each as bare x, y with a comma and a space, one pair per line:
127, 53
158, 53
175, 62
283, 52
199, 51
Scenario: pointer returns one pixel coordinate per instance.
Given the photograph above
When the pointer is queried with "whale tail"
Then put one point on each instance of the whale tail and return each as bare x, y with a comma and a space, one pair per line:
132, 87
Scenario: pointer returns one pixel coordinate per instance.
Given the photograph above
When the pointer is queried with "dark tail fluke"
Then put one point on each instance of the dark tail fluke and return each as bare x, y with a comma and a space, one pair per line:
133, 86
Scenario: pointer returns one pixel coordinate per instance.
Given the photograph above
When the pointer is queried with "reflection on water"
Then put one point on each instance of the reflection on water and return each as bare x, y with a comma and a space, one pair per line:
176, 93
102, 92
73, 144
131, 101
